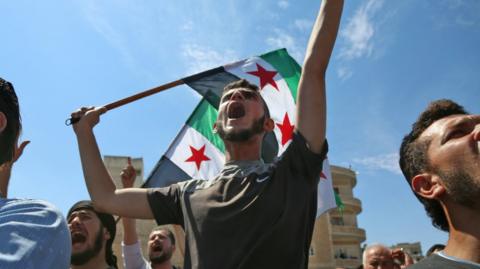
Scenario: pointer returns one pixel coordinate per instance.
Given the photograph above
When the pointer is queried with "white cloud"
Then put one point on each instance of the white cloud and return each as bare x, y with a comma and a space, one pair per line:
282, 39
198, 58
460, 20
101, 25
360, 31
344, 73
387, 162
283, 4
457, 13
303, 24
188, 26
453, 4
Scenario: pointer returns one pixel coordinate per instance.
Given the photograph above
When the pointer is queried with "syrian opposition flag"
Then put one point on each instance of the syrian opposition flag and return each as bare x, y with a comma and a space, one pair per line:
198, 153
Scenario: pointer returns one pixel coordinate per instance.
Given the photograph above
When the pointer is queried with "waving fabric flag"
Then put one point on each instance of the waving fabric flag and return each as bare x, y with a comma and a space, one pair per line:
197, 152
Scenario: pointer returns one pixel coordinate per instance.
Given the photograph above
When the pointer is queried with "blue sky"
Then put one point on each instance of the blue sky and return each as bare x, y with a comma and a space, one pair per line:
390, 60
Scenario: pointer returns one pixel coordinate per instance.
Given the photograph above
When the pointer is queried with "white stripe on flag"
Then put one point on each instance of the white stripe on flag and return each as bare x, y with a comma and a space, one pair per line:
326, 197
279, 101
180, 151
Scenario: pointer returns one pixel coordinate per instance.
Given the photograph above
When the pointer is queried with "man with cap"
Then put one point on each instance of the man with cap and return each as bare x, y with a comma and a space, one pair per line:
92, 235
33, 233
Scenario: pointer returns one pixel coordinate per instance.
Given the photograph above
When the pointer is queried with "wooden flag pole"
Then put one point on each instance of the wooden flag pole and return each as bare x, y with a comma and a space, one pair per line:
132, 98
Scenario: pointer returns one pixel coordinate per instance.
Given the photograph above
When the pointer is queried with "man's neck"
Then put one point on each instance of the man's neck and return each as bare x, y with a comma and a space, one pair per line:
98, 262
242, 151
163, 265
464, 238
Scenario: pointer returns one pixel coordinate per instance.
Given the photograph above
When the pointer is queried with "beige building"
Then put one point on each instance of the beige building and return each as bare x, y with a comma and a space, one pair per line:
336, 239
114, 165
414, 249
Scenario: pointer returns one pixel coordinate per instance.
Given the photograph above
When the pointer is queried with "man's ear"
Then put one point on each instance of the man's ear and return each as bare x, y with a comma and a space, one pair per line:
106, 234
268, 125
427, 185
3, 122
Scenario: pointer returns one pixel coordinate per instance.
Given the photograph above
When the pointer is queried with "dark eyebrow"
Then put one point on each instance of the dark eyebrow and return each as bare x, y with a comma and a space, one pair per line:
455, 125
244, 90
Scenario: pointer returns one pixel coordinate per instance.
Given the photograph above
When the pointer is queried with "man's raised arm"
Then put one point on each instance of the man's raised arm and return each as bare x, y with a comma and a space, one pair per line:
311, 107
125, 202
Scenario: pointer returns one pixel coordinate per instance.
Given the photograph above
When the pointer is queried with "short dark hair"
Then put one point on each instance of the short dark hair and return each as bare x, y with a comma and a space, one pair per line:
9, 106
243, 83
169, 233
413, 153
435, 248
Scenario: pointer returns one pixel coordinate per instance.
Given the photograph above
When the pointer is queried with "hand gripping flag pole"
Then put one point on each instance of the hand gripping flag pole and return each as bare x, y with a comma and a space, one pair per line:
133, 98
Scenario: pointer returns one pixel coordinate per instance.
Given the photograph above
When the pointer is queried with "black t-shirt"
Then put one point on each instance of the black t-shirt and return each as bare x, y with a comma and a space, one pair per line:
252, 215
438, 262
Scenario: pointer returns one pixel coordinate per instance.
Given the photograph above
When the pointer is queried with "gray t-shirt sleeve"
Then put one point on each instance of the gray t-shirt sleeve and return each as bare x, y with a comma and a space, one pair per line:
301, 161
165, 204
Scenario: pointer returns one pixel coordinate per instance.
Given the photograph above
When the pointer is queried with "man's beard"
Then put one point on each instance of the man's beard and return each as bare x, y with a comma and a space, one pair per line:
242, 135
164, 255
461, 187
85, 256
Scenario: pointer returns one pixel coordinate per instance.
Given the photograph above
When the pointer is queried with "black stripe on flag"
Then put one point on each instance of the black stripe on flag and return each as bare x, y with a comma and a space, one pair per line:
210, 83
164, 174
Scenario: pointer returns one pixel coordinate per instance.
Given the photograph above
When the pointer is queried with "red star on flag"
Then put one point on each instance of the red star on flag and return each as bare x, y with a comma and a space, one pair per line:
286, 128
266, 77
198, 156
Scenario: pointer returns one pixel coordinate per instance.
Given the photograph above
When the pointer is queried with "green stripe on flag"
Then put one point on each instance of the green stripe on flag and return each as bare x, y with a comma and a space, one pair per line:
287, 67
202, 120
339, 202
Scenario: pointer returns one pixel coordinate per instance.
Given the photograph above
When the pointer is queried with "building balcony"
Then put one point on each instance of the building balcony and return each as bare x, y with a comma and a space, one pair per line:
352, 204
343, 176
341, 233
347, 262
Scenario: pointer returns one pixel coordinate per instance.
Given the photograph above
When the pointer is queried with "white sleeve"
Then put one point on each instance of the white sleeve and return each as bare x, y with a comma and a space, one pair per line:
133, 257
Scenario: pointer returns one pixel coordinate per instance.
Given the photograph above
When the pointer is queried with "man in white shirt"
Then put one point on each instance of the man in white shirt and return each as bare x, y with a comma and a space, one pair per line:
161, 242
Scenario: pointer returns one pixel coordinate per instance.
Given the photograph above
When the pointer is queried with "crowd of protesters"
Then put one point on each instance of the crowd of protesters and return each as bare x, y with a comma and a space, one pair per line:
273, 204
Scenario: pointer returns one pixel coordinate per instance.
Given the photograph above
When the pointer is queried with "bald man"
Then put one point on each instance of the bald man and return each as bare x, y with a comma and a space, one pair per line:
378, 256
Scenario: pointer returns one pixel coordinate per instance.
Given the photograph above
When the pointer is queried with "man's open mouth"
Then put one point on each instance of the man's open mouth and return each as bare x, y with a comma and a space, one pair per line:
78, 237
157, 248
235, 111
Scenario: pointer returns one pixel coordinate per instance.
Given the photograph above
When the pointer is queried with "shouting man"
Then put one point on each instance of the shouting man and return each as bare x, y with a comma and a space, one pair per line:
440, 159
92, 237
252, 215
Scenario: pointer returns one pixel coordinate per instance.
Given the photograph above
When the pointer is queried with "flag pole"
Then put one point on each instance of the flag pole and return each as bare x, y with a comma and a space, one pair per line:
133, 98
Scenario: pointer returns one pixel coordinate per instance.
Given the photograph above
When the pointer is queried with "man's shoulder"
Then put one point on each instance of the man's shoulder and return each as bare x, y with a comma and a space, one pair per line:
30, 203
301, 146
37, 230
436, 261
36, 210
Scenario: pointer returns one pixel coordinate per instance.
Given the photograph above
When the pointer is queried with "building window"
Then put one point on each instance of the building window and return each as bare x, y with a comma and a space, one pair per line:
337, 221
341, 254
311, 251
